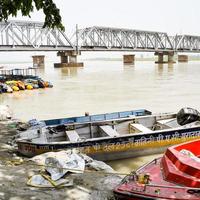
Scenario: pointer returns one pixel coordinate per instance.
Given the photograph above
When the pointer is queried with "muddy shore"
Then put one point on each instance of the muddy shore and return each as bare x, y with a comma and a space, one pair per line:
14, 176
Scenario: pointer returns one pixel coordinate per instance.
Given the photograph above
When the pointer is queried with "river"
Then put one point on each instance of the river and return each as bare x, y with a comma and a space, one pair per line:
106, 86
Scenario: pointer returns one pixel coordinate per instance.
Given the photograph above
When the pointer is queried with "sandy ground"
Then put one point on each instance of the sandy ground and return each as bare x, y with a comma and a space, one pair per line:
13, 178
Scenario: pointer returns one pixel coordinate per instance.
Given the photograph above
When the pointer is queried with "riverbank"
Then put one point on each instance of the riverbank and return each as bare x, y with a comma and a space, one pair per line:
15, 170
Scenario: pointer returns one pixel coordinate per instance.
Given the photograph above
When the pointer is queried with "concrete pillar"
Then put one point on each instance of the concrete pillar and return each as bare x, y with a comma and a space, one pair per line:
160, 57
171, 57
68, 59
182, 58
129, 59
64, 59
73, 59
38, 61
169, 54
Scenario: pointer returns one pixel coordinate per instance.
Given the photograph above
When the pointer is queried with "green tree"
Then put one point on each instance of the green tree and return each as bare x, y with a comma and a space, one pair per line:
50, 10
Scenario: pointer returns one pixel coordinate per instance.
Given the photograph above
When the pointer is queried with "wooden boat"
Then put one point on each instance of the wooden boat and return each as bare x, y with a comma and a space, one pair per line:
20, 85
175, 176
109, 136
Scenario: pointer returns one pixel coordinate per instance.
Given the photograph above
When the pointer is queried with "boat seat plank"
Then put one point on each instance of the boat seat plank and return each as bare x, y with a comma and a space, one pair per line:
168, 123
109, 131
140, 128
72, 136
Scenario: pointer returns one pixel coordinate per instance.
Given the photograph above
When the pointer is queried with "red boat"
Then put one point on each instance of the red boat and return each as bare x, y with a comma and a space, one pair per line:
175, 176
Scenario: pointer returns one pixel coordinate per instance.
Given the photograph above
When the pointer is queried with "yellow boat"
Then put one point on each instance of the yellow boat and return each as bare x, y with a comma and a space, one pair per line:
13, 85
20, 85
29, 87
15, 88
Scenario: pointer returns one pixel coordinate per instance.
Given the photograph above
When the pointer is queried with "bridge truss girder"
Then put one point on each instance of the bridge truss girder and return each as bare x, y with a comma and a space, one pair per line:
16, 35
31, 36
103, 38
187, 43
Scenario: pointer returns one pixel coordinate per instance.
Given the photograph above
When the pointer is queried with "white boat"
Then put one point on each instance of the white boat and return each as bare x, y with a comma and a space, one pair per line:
113, 138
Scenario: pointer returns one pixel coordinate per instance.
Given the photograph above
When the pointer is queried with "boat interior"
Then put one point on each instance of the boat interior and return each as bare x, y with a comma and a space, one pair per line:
191, 147
76, 132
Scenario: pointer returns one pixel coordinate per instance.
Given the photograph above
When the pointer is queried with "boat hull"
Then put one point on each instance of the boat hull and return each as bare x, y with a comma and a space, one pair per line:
156, 188
32, 150
126, 146
119, 196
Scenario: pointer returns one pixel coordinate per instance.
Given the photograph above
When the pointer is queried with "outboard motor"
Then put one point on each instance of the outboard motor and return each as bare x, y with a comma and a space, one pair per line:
187, 115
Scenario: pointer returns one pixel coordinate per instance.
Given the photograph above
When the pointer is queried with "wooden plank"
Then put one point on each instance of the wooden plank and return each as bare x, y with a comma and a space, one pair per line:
109, 131
72, 136
140, 128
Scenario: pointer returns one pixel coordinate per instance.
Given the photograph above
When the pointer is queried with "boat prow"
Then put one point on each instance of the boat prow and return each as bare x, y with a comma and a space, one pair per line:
174, 176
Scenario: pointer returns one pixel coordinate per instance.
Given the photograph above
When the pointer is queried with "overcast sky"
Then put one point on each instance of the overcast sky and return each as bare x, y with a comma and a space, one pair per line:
172, 16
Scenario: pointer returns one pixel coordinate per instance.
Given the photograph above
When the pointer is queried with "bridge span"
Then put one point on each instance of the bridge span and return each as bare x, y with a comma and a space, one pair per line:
31, 36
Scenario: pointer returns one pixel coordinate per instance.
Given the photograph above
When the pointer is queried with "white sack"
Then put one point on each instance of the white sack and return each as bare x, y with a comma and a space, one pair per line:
59, 163
5, 112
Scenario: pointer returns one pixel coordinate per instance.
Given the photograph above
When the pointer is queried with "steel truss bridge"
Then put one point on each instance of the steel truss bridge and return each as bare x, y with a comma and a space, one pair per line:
31, 36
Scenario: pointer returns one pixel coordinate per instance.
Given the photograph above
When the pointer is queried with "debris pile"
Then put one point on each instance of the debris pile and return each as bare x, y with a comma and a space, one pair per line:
72, 174
58, 165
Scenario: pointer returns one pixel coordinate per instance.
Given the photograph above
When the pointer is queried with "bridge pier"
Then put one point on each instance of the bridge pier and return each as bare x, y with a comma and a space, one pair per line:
129, 59
160, 57
68, 59
171, 57
182, 58
169, 54
38, 61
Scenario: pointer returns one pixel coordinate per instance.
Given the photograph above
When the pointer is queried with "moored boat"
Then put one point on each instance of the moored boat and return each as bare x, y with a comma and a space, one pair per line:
174, 176
20, 85
21, 79
13, 85
5, 88
110, 136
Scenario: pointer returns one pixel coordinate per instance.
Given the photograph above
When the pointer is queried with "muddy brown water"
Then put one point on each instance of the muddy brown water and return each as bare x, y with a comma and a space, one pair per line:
106, 86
